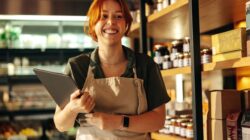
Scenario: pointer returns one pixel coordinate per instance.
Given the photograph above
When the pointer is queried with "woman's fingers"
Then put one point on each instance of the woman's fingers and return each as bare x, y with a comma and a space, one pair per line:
75, 94
84, 97
87, 103
90, 105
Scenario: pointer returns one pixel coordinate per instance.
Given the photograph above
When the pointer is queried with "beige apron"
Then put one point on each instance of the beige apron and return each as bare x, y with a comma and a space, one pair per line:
118, 95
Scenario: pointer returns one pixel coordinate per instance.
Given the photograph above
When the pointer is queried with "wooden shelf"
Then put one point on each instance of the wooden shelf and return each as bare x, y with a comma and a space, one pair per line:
233, 63
157, 136
173, 21
134, 30
174, 71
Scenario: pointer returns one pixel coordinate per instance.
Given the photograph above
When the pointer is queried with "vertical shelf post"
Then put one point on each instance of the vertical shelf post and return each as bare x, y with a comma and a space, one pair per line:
143, 28
194, 31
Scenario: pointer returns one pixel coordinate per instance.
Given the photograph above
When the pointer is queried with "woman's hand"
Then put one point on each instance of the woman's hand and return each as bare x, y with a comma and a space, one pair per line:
104, 121
81, 103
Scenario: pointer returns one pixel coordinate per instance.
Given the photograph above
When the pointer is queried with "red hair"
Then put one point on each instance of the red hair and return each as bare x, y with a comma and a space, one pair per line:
95, 12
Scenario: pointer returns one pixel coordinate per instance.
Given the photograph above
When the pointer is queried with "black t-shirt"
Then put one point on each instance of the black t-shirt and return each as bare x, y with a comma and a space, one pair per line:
146, 69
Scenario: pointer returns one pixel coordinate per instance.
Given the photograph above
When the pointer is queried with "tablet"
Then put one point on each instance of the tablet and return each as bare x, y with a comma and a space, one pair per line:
59, 86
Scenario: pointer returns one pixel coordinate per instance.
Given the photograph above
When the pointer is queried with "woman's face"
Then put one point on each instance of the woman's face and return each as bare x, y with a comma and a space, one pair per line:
111, 26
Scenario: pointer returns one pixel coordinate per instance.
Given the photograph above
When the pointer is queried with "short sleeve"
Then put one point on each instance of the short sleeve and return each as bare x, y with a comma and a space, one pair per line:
155, 87
77, 68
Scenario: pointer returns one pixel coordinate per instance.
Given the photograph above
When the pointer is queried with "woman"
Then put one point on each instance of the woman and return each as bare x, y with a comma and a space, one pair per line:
123, 90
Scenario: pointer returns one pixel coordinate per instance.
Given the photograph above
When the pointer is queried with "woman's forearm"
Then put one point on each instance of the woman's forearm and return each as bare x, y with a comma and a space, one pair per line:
64, 119
149, 121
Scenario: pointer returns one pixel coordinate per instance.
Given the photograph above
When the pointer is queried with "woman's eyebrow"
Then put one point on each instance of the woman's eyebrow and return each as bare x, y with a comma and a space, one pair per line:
106, 11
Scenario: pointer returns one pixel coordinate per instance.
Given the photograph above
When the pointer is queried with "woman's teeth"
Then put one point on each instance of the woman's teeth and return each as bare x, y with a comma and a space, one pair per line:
110, 31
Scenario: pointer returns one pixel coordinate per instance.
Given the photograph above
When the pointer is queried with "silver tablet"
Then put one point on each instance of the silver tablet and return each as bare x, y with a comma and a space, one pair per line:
59, 86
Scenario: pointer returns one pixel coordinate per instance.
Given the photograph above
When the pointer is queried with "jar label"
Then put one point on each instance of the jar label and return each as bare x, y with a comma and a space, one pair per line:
189, 133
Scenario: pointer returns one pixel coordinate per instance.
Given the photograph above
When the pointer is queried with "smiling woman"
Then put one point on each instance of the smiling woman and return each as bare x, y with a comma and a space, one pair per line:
123, 90
120, 13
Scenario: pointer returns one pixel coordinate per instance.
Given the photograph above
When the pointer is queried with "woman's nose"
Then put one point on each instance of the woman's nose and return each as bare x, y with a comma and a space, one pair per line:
111, 20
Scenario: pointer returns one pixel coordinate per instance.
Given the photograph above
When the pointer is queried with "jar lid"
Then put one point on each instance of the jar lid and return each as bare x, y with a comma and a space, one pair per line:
189, 125
166, 56
173, 120
183, 124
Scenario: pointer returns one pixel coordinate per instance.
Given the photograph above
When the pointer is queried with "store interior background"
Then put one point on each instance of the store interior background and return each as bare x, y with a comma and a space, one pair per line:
26, 107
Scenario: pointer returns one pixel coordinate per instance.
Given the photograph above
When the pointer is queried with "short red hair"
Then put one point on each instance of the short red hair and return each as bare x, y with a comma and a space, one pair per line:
94, 15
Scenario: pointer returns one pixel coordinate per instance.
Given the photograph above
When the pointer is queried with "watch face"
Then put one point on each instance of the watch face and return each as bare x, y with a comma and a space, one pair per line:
126, 121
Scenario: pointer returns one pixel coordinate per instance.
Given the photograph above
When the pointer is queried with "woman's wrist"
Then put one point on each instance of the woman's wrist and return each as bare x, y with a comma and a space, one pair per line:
124, 122
69, 111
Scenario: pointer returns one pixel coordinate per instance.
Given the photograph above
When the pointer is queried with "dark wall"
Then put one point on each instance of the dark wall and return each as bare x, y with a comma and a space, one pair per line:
49, 7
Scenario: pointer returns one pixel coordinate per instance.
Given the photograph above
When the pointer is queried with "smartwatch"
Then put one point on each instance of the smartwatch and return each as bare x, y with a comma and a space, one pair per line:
125, 121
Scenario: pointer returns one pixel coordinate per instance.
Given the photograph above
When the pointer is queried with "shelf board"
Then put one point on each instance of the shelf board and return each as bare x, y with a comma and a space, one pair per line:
233, 63
31, 111
218, 13
134, 30
174, 71
158, 136
173, 21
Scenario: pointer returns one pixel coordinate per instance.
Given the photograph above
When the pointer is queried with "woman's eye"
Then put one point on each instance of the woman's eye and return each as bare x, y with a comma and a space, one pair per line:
118, 16
104, 16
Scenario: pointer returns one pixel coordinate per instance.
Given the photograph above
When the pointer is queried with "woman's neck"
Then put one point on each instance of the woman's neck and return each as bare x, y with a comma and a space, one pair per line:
111, 55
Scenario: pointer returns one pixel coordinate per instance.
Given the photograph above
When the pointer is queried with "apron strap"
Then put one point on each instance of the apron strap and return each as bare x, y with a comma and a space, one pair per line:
134, 69
90, 77
135, 73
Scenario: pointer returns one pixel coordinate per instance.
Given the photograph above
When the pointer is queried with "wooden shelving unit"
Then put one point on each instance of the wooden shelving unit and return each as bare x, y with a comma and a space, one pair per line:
172, 22
233, 63
158, 136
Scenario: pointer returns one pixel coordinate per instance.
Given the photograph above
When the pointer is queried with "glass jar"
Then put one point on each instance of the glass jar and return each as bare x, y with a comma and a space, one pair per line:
167, 126
178, 127
186, 45
167, 63
158, 58
206, 56
172, 126
172, 1
186, 59
189, 131
159, 5
175, 60
183, 129
180, 60
165, 3
174, 48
